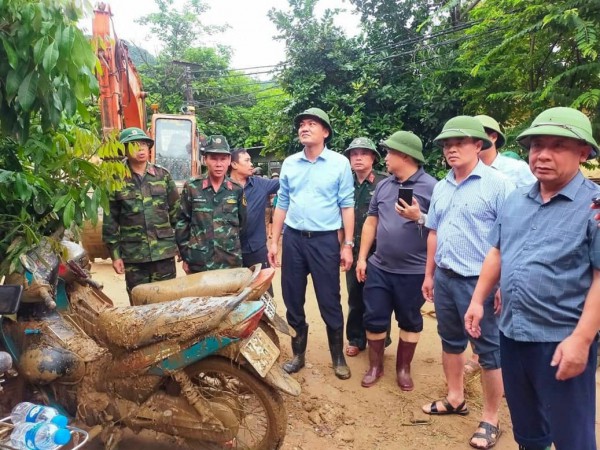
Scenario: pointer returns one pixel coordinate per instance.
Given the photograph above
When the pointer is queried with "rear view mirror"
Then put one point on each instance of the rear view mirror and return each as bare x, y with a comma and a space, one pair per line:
10, 298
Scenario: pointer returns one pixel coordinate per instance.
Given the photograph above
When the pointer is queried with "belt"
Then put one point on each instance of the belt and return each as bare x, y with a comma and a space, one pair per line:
452, 274
309, 234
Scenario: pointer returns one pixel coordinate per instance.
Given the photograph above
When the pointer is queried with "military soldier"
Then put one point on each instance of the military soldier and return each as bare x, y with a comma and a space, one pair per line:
211, 214
138, 229
362, 154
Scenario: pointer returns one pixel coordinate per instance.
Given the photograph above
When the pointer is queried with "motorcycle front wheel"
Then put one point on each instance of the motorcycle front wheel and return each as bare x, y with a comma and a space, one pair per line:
259, 407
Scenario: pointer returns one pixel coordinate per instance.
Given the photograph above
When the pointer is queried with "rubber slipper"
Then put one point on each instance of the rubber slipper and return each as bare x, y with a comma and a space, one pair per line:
352, 350
461, 409
491, 435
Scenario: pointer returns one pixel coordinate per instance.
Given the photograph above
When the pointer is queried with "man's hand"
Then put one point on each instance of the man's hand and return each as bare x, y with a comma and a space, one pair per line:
119, 266
497, 302
597, 216
427, 288
346, 257
473, 318
571, 357
186, 267
410, 212
361, 270
272, 255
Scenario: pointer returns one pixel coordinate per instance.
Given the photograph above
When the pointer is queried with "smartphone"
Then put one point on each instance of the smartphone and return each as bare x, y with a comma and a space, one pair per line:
405, 194
596, 200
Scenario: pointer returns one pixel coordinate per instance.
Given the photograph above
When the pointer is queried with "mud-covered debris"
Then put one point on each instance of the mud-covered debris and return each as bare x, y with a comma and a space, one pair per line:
345, 434
308, 405
315, 417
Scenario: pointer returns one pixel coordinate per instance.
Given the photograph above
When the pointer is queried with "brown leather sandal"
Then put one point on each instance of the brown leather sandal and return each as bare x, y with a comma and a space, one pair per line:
491, 435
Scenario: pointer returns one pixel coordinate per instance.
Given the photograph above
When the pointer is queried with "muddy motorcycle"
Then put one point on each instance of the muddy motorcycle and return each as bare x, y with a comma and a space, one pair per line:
198, 368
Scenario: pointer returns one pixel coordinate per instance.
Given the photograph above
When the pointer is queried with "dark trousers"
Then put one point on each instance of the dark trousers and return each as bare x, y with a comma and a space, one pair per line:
355, 332
319, 256
148, 272
258, 257
544, 410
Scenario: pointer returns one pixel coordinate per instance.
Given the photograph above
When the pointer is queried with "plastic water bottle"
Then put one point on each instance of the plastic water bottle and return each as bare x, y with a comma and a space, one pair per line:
30, 412
39, 436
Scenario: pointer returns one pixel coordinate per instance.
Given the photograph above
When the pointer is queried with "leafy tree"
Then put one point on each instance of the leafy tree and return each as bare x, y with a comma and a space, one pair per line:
47, 179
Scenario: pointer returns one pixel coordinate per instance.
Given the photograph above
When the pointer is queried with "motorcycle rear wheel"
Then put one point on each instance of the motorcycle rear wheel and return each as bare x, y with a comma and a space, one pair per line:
259, 407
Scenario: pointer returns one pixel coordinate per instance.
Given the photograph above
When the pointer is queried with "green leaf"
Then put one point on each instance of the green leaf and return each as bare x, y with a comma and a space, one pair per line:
66, 40
69, 213
38, 49
27, 91
50, 57
11, 54
12, 84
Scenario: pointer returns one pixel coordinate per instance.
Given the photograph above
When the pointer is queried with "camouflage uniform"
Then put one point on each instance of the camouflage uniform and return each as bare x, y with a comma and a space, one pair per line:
139, 226
208, 229
363, 192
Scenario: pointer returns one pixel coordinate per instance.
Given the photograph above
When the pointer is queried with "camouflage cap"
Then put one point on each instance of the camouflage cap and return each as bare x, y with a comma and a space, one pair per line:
133, 134
216, 144
562, 122
489, 123
362, 142
315, 113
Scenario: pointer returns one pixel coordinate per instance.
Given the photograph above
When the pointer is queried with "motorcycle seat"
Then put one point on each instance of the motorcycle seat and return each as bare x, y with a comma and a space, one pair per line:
136, 326
213, 283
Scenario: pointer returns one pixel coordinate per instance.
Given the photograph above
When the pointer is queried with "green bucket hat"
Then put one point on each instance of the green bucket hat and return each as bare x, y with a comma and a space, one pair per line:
405, 142
315, 113
133, 134
463, 126
363, 142
491, 124
216, 144
563, 122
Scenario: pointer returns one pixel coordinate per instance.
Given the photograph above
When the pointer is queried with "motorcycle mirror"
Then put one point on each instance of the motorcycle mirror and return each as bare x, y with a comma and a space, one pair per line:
10, 298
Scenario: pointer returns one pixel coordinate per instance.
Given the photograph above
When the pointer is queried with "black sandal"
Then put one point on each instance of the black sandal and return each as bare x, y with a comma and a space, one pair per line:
461, 409
491, 435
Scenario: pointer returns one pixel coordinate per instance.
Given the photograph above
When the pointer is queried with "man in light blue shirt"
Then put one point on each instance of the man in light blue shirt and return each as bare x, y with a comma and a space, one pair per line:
515, 170
546, 253
315, 201
463, 209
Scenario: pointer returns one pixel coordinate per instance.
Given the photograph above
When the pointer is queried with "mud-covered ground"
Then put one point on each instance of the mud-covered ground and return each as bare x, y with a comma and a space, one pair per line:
335, 414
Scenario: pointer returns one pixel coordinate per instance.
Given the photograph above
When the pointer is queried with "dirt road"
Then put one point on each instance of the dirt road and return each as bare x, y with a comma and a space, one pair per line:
335, 414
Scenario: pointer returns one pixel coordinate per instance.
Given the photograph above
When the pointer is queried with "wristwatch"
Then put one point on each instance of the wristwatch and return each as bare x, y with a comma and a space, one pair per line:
422, 219
349, 243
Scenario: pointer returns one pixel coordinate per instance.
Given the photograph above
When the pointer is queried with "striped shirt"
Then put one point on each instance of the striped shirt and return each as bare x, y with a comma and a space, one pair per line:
312, 193
463, 215
549, 251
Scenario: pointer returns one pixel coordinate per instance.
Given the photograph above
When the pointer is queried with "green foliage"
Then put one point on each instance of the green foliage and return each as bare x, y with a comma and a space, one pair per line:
48, 181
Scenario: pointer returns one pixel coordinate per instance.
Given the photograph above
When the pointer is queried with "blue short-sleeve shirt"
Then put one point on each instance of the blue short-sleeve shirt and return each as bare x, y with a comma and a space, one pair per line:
548, 253
463, 215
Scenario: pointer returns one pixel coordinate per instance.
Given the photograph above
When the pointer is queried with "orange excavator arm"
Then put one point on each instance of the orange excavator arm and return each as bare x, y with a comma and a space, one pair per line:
121, 96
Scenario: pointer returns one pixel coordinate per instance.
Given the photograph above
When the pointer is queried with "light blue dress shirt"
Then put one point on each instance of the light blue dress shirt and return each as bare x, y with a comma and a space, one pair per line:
312, 193
517, 171
463, 215
548, 253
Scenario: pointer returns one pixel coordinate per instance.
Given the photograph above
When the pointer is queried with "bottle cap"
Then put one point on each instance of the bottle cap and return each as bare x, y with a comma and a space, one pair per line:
62, 436
60, 421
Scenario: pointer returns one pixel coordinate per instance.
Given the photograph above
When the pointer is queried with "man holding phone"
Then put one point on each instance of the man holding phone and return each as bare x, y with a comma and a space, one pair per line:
393, 275
363, 154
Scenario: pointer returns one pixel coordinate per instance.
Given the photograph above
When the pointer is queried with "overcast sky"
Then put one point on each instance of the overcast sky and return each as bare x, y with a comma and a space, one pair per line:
250, 36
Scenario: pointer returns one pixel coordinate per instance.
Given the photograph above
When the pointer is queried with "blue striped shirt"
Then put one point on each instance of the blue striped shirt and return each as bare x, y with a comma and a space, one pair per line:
463, 215
549, 251
312, 193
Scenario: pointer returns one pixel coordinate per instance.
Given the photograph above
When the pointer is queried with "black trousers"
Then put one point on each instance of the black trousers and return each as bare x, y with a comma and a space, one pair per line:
355, 332
257, 257
317, 254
